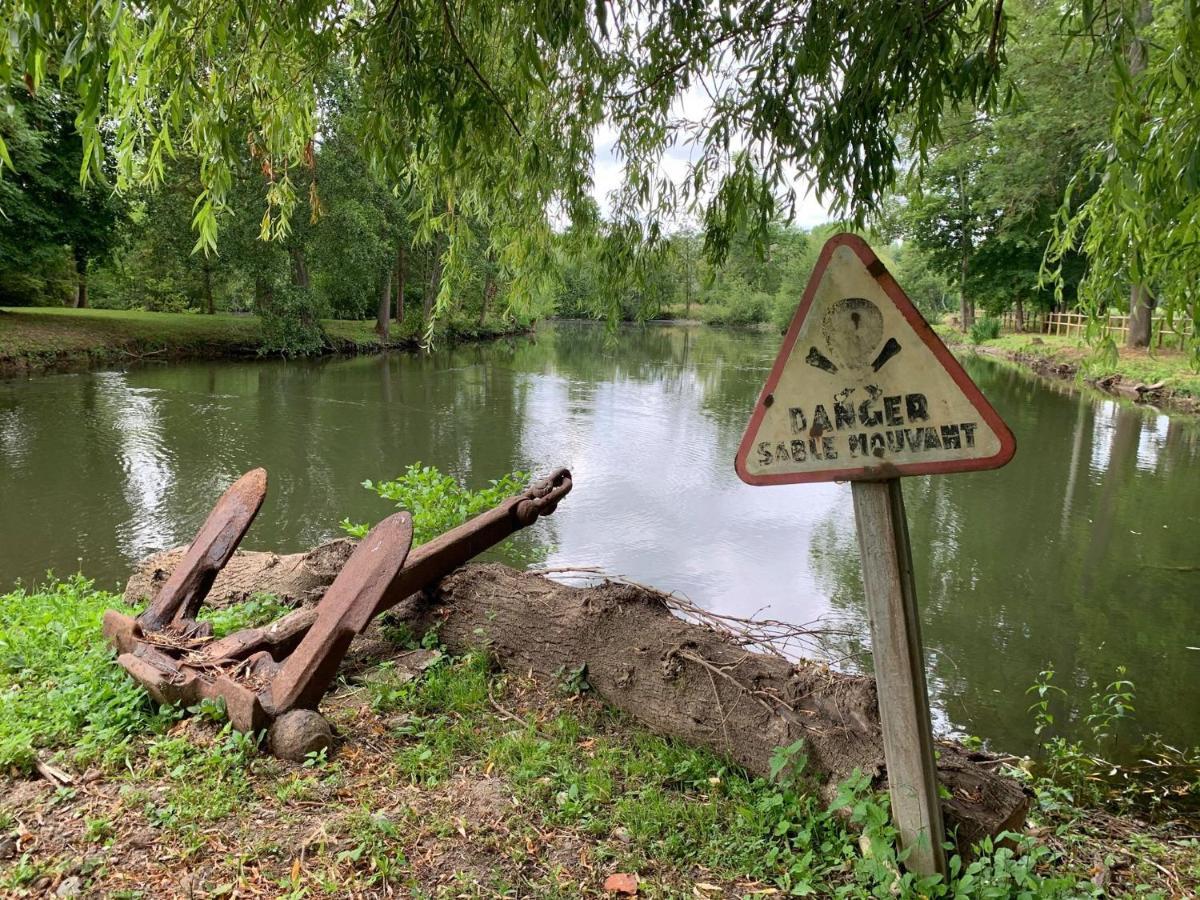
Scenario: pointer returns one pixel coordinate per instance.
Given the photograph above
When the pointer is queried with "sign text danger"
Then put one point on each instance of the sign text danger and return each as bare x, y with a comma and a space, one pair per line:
871, 426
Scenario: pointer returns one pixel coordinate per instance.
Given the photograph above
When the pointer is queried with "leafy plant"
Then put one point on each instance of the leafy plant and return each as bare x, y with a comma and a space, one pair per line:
260, 609
438, 502
59, 684
985, 329
61, 689
572, 682
1084, 770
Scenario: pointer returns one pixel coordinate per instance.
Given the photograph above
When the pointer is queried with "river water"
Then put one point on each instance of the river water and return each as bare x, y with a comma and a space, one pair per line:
1083, 554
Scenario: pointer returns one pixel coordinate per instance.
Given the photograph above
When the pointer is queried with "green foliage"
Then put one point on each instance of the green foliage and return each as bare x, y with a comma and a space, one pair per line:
438, 502
1131, 208
290, 322
59, 684
1164, 778
260, 609
573, 682
985, 329
982, 208
52, 228
204, 784
61, 689
461, 98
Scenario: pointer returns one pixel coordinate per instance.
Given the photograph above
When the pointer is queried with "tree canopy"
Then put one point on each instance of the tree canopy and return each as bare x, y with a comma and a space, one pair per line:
490, 109
481, 122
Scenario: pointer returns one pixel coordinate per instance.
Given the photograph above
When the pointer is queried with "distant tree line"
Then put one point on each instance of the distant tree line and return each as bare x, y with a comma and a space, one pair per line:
1022, 154
358, 251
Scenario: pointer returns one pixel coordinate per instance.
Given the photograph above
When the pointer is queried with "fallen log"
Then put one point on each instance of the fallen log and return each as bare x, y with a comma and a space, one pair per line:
678, 678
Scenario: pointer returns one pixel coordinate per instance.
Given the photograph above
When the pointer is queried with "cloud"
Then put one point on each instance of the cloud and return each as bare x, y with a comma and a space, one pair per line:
692, 106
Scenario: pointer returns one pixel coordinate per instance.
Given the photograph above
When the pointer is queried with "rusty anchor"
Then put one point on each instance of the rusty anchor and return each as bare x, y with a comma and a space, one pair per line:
264, 674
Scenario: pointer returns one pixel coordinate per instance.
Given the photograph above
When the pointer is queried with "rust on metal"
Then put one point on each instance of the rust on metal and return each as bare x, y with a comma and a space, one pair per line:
180, 598
262, 673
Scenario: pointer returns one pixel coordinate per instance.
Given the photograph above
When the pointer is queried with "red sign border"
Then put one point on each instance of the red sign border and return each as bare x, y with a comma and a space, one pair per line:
876, 268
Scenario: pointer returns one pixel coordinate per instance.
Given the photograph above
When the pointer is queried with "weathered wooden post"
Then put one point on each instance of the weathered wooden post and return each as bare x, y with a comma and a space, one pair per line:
864, 391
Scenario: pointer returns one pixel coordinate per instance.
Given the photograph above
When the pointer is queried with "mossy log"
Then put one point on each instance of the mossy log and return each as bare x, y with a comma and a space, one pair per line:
678, 678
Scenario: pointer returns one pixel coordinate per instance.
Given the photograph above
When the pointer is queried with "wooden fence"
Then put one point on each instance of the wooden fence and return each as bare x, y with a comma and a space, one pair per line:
1074, 324
1035, 321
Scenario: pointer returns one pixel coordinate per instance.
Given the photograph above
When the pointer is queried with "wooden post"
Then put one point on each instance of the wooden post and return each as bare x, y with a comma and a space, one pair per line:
900, 672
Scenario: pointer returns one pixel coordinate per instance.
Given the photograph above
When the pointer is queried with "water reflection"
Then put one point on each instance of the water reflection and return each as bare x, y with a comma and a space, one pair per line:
1078, 553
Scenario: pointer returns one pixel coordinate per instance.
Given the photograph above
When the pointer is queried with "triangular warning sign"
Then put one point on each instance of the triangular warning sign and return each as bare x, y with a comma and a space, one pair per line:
863, 389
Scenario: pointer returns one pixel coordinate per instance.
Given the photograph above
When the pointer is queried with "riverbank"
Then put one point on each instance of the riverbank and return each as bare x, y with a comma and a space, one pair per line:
40, 338
1161, 378
451, 779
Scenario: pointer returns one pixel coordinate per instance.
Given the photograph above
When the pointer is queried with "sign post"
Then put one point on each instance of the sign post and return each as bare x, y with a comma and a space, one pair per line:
864, 391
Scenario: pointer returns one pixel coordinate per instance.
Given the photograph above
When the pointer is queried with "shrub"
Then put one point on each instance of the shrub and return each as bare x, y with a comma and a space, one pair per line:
985, 329
745, 309
290, 322
437, 502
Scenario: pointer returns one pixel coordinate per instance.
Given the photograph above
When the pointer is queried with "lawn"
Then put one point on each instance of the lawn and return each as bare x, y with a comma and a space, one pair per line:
1174, 369
35, 337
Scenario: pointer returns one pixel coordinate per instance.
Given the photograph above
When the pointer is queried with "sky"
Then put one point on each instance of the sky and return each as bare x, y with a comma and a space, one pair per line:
693, 105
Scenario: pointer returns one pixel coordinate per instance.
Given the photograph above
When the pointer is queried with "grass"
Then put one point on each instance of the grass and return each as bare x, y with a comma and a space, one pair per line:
35, 337
1173, 368
458, 781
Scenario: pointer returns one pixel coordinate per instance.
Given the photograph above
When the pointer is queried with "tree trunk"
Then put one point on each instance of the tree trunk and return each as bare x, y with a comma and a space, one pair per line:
687, 297
299, 268
1141, 311
688, 681
489, 291
210, 306
1141, 300
295, 578
400, 276
383, 311
264, 294
1020, 315
967, 307
81, 279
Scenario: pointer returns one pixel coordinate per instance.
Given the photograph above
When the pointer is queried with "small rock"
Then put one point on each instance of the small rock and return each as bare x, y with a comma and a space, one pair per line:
8, 848
621, 883
70, 887
621, 834
298, 733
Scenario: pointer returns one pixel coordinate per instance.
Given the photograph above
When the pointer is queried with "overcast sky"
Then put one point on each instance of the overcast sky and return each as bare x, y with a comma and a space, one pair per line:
692, 105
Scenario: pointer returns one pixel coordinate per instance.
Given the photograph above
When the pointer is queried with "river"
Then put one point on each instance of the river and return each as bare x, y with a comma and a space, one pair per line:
1083, 554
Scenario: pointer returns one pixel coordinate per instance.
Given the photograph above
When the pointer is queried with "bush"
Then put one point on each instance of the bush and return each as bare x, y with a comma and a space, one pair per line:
746, 309
291, 324
985, 329
438, 502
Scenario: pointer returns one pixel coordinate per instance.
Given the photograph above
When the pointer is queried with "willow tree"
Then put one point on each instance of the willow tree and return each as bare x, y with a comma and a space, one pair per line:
491, 109
1139, 225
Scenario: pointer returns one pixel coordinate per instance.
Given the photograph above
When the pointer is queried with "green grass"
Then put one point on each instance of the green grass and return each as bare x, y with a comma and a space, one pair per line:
59, 686
60, 689
594, 771
33, 337
402, 789
1174, 368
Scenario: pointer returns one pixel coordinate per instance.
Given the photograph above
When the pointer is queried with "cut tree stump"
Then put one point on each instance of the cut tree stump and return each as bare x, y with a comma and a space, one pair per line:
678, 678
